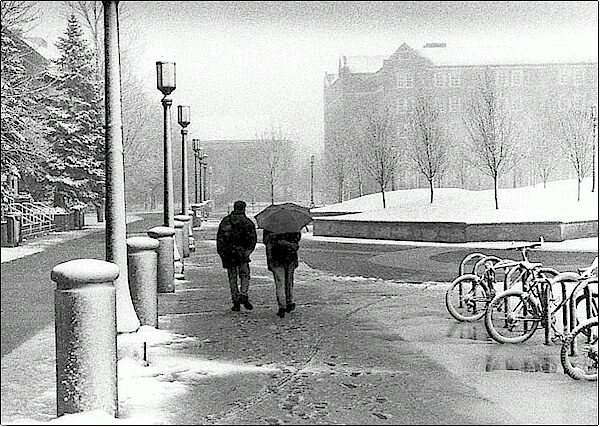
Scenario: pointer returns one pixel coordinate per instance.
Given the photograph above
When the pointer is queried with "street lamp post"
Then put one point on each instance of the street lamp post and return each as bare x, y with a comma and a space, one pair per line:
116, 246
205, 176
312, 192
183, 117
594, 125
196, 147
165, 82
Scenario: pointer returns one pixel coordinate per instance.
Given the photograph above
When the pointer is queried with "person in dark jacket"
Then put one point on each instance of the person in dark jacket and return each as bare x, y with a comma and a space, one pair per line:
282, 260
236, 240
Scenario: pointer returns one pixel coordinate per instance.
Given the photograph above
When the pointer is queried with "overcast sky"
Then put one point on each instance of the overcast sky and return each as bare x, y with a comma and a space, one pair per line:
243, 65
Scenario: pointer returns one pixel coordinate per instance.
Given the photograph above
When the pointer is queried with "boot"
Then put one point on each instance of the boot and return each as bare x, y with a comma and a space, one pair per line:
236, 305
290, 307
281, 313
246, 303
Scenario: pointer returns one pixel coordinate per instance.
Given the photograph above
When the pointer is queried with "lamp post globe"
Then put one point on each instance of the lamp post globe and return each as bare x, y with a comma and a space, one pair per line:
165, 77
183, 115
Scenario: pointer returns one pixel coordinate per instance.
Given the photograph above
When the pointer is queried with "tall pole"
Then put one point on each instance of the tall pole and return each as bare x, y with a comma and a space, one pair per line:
195, 176
200, 177
205, 174
168, 206
184, 173
594, 124
312, 193
116, 246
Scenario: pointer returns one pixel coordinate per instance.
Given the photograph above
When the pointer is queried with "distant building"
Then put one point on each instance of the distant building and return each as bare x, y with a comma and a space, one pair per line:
239, 172
529, 78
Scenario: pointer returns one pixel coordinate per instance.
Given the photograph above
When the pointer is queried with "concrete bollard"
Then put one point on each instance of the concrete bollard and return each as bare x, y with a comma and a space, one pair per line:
166, 244
179, 228
86, 336
185, 245
192, 240
196, 215
142, 262
177, 252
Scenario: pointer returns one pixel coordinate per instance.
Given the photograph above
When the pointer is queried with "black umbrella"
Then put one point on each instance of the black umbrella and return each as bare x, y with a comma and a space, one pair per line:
283, 218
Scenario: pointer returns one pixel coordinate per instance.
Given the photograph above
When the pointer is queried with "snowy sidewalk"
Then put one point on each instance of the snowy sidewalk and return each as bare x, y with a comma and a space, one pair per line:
356, 351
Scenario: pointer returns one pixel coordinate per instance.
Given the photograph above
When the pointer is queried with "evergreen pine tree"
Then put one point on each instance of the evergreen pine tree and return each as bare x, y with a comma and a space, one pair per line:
22, 120
76, 164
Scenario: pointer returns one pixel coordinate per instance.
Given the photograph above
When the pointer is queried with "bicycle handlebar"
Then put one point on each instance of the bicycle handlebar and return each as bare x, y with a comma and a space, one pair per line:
529, 246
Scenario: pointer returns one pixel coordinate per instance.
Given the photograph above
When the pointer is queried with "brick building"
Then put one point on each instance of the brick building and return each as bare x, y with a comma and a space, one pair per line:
530, 80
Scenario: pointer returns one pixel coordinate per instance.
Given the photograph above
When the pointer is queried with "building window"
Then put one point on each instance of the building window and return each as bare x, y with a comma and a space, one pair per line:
404, 79
455, 78
533, 77
578, 76
564, 76
454, 104
441, 105
405, 105
502, 78
516, 77
440, 78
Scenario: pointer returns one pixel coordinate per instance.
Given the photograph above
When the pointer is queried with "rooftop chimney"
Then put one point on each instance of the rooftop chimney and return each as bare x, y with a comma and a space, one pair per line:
427, 45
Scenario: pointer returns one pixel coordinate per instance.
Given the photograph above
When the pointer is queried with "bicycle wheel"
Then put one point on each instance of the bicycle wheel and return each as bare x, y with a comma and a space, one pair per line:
467, 298
579, 352
511, 317
480, 266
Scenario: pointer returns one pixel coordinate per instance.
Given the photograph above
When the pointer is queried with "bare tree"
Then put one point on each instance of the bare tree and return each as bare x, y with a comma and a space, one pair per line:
428, 147
278, 156
380, 155
490, 128
574, 132
16, 16
338, 161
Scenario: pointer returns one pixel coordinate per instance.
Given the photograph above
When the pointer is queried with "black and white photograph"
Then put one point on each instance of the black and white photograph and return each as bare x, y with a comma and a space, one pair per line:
299, 212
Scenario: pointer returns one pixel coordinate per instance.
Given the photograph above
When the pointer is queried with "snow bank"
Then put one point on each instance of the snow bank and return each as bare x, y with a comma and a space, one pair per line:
145, 387
557, 202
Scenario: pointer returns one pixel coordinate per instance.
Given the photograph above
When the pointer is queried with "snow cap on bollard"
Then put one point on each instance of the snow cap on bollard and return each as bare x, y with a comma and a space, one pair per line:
141, 243
179, 224
82, 272
161, 231
182, 218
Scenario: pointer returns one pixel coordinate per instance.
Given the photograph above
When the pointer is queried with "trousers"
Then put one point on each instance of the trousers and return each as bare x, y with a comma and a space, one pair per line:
243, 271
284, 284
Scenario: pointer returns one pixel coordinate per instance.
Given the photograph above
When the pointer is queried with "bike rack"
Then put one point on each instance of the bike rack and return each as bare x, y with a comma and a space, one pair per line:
572, 307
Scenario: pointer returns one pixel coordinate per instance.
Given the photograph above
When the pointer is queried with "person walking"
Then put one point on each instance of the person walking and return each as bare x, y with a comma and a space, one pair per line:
236, 240
282, 260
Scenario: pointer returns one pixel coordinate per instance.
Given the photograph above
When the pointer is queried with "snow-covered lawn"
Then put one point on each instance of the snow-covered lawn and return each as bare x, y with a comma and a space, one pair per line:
556, 202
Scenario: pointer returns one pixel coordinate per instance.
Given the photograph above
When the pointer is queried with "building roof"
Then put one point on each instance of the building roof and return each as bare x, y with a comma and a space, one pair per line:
364, 64
440, 54
40, 46
499, 55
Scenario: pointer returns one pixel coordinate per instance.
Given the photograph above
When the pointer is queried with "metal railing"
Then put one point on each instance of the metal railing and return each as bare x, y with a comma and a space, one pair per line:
36, 217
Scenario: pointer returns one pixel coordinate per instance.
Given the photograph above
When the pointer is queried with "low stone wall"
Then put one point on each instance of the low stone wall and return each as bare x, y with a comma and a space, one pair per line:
454, 232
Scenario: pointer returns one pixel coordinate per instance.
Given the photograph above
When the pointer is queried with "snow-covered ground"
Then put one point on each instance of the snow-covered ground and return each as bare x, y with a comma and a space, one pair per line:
589, 244
41, 243
556, 202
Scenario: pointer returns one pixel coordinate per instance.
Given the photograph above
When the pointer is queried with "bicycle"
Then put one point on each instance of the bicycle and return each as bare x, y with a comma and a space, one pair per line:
469, 294
579, 351
513, 315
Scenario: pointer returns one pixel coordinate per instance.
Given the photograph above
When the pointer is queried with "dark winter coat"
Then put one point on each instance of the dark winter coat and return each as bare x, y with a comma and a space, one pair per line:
236, 239
282, 249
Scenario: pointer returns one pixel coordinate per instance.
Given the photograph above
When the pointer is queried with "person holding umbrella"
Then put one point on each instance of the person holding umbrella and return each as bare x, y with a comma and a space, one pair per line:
236, 240
281, 235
